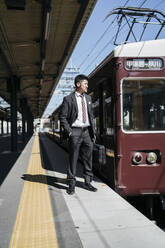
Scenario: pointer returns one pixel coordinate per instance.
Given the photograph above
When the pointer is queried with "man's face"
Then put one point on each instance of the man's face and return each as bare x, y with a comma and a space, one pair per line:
82, 86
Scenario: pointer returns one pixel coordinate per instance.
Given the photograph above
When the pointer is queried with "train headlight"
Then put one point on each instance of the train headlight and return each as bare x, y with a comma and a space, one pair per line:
151, 158
137, 158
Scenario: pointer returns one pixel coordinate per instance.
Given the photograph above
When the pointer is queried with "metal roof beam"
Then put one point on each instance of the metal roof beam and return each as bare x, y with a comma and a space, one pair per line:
9, 57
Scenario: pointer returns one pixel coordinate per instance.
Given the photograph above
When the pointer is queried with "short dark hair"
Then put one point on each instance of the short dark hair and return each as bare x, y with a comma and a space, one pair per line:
79, 78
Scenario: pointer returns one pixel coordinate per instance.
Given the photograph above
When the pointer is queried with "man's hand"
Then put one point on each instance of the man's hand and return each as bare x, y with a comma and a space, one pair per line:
94, 138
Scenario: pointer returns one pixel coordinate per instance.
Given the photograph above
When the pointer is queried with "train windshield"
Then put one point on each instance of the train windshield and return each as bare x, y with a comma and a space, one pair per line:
143, 104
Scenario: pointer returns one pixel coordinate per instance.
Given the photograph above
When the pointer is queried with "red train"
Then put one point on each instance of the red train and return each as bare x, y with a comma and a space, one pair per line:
128, 92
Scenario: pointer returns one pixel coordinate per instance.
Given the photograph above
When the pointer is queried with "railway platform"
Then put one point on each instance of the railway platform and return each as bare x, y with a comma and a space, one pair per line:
36, 211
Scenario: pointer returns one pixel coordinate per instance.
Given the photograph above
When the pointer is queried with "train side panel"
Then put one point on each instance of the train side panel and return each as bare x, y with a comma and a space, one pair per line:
143, 178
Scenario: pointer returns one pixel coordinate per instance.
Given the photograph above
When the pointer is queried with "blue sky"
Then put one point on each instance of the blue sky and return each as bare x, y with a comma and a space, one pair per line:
97, 39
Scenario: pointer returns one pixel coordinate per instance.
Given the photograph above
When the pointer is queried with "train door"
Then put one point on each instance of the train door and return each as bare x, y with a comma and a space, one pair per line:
107, 116
103, 105
108, 134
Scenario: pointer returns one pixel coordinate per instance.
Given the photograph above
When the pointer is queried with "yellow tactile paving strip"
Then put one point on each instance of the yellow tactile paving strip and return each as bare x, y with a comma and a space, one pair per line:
34, 226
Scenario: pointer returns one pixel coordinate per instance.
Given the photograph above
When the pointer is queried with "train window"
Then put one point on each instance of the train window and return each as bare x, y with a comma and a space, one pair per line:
143, 104
96, 125
108, 112
95, 106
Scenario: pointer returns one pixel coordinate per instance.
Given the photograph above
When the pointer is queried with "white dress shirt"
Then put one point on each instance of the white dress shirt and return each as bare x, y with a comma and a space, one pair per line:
79, 121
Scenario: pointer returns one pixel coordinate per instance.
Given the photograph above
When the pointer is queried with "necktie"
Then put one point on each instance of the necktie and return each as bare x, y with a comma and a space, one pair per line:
83, 109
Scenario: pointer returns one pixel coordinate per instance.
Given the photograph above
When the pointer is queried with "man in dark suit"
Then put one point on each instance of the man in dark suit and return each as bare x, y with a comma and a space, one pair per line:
76, 119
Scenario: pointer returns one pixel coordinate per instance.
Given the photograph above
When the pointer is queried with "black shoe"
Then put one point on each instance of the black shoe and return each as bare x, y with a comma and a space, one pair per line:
71, 190
89, 187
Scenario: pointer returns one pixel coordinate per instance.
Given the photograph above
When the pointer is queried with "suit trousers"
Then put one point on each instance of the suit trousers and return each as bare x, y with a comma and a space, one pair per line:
80, 145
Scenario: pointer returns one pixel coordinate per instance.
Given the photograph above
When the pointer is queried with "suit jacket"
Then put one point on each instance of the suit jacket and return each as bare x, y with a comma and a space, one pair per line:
69, 113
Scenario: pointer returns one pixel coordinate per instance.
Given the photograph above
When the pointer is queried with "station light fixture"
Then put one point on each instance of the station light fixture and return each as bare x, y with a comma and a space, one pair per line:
47, 27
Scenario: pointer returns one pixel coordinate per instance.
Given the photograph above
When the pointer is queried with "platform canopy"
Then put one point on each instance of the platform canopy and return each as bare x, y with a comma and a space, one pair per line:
37, 38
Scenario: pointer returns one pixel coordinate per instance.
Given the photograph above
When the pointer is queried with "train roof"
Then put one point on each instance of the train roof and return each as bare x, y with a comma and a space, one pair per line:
150, 48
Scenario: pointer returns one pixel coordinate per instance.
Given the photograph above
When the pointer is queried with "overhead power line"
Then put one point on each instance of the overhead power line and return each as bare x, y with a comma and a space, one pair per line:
109, 42
98, 41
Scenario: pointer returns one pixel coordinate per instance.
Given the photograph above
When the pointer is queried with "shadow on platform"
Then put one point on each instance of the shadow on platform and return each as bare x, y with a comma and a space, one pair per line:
50, 180
8, 158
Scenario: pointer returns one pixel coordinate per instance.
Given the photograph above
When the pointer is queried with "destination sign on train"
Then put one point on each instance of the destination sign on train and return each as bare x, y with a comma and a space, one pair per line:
144, 64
